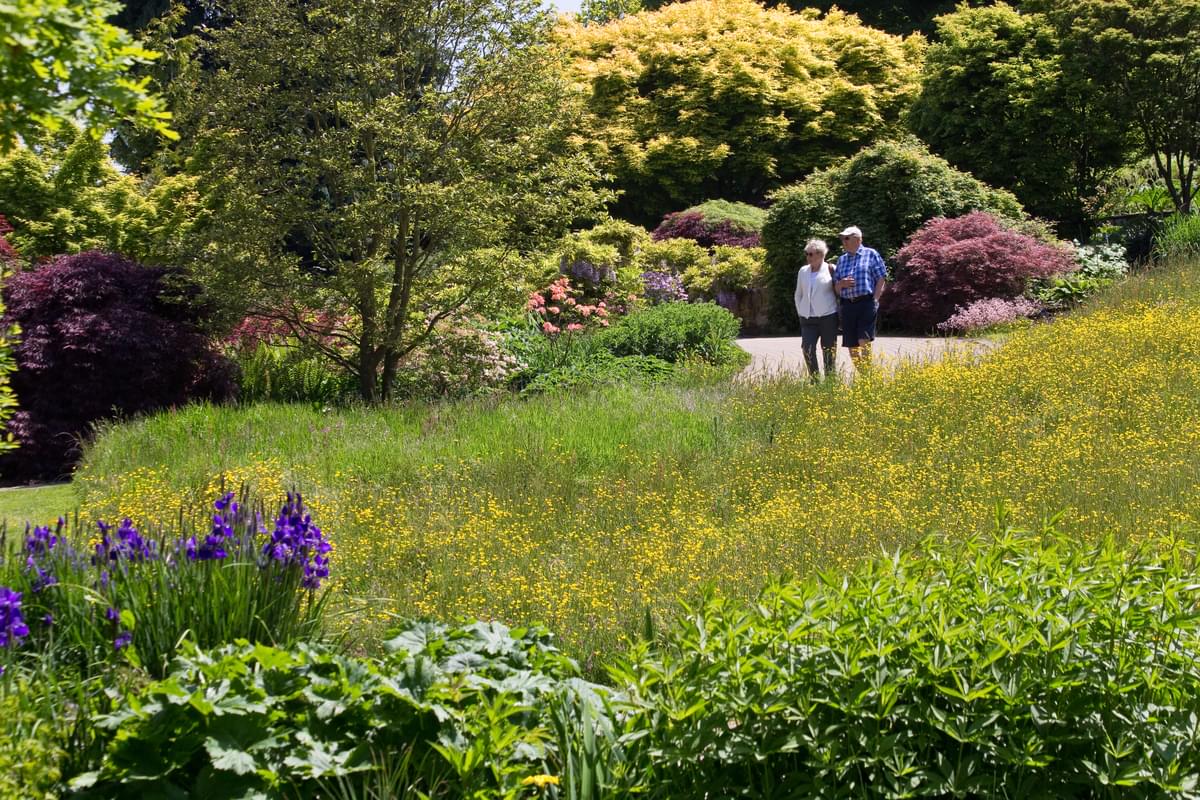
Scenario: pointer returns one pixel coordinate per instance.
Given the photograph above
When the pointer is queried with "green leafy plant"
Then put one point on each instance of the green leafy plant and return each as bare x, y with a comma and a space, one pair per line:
467, 710
1024, 666
674, 332
1179, 237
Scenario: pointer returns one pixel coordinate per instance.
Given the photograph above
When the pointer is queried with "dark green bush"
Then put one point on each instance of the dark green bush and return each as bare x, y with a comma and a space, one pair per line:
1027, 667
602, 369
889, 190
674, 332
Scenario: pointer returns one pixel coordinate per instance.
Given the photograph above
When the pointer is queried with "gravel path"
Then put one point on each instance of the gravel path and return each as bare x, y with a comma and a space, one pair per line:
777, 354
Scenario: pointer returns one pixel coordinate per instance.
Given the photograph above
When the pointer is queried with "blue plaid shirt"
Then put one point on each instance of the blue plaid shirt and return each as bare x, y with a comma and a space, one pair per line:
866, 267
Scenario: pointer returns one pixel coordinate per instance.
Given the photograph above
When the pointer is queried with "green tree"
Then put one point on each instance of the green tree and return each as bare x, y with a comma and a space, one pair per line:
999, 100
373, 165
62, 60
725, 98
63, 194
1146, 55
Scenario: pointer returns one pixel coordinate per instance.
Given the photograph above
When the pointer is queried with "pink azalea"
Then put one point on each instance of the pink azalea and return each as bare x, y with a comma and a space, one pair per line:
586, 310
570, 301
550, 328
602, 311
574, 326
554, 310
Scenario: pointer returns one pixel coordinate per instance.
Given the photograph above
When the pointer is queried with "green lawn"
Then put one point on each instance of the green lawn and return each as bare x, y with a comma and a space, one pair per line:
36, 504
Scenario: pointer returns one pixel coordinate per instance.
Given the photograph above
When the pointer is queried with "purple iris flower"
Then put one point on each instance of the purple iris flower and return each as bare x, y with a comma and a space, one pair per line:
296, 541
212, 548
128, 544
12, 623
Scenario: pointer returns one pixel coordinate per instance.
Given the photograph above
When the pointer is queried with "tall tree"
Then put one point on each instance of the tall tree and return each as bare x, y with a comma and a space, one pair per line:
1146, 53
998, 100
373, 164
728, 99
61, 60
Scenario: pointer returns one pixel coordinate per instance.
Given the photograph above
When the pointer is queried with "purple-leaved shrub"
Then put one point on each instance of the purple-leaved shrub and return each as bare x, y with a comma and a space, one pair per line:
101, 336
951, 263
705, 231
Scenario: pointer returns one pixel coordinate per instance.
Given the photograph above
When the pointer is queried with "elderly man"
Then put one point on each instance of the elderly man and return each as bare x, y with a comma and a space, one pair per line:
860, 281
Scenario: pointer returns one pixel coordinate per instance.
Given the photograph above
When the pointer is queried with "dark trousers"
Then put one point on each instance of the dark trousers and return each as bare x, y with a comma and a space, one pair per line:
824, 329
858, 321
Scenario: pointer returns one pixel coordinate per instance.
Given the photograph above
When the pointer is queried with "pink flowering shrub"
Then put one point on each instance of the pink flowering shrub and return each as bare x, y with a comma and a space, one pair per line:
951, 263
563, 307
7, 251
986, 313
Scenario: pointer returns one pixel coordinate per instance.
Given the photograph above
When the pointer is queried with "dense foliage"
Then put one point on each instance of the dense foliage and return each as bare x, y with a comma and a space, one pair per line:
675, 331
958, 668
449, 713
1146, 56
1024, 667
997, 80
62, 61
66, 196
8, 253
730, 99
889, 190
952, 263
412, 178
717, 222
1178, 237
100, 336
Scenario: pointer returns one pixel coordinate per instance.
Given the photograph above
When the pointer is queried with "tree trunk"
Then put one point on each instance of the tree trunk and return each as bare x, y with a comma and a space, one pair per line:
391, 360
368, 369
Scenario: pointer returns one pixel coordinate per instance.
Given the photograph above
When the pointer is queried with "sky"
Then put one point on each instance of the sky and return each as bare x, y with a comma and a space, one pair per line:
565, 5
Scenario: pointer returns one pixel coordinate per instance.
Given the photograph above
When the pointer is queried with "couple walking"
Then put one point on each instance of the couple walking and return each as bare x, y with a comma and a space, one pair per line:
850, 290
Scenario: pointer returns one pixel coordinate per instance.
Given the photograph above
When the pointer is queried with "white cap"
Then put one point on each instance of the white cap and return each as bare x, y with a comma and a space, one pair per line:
853, 230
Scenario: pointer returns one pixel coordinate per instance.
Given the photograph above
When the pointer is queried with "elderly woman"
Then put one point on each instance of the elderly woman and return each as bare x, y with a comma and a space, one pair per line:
816, 304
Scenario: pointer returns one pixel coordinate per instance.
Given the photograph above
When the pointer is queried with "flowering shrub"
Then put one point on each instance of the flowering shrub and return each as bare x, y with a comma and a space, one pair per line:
8, 253
1101, 261
101, 335
461, 359
952, 263
561, 307
145, 593
986, 313
705, 231
663, 287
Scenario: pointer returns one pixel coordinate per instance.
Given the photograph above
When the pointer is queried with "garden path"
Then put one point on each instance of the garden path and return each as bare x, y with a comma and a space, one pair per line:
773, 355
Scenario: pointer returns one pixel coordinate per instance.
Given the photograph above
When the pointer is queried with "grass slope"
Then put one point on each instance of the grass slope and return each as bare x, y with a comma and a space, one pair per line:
584, 512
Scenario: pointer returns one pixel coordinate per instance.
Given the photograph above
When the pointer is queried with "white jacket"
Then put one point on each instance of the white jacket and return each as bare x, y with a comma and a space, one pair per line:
814, 294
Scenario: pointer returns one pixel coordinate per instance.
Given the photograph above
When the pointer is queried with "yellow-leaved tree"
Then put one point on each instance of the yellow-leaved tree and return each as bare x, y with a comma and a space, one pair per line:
728, 99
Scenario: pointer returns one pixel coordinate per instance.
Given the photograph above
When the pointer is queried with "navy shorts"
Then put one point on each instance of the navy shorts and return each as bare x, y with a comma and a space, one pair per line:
858, 320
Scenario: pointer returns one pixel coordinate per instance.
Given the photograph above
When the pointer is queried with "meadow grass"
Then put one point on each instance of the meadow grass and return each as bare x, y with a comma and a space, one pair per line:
587, 512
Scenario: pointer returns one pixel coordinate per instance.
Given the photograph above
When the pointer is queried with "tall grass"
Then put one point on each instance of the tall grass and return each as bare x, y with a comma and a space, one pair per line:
591, 511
